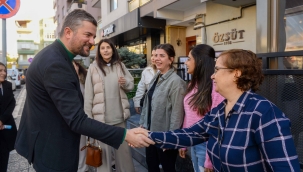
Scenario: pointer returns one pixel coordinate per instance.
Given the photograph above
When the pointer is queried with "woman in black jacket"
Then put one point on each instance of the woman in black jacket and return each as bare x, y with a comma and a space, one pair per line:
7, 105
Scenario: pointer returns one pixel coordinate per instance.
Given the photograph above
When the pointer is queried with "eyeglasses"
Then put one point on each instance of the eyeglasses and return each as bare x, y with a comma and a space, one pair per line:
217, 68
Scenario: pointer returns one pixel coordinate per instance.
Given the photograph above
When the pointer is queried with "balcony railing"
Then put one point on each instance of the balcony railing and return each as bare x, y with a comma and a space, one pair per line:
134, 4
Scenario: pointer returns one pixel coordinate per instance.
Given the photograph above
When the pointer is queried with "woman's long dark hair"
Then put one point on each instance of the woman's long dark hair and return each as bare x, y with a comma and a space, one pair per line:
115, 56
82, 72
204, 56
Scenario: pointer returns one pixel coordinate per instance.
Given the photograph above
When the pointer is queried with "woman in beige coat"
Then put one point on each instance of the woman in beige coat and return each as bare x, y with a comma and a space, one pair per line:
105, 100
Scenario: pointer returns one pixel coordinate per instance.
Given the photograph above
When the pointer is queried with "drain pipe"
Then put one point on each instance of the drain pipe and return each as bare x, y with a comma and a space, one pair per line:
203, 31
235, 18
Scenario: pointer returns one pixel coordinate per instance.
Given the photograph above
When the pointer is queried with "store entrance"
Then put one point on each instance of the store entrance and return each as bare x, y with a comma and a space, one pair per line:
190, 42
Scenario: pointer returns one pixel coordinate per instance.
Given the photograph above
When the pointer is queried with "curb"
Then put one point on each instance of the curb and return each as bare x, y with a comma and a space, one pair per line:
20, 103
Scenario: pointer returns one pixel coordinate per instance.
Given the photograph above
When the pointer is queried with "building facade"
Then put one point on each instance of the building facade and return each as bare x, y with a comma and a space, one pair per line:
261, 26
64, 7
122, 22
27, 41
47, 32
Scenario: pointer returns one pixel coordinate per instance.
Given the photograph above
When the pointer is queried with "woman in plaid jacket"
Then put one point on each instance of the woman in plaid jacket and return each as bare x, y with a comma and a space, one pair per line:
246, 132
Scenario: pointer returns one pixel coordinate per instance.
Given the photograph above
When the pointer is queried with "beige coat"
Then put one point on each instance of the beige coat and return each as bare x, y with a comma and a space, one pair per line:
94, 105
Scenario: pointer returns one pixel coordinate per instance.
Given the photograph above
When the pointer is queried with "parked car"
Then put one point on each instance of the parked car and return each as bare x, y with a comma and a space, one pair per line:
10, 79
14, 73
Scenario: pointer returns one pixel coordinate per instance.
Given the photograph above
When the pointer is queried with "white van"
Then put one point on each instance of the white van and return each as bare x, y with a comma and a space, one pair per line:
14, 73
10, 79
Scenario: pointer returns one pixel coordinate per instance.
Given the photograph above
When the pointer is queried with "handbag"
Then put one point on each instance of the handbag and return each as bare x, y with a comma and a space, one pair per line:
93, 154
184, 164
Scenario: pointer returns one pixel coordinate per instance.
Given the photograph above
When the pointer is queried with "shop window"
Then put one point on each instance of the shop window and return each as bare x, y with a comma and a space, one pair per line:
113, 5
293, 62
294, 34
138, 49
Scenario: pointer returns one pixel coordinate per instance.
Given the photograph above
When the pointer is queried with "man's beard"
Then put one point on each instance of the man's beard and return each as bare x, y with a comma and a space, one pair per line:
83, 53
79, 49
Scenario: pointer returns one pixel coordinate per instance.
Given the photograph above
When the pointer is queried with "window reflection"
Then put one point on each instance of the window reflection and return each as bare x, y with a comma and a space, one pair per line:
294, 32
138, 49
293, 62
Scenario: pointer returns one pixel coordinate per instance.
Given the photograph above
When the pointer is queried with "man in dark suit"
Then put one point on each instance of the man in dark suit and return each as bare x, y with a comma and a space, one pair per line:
53, 117
7, 105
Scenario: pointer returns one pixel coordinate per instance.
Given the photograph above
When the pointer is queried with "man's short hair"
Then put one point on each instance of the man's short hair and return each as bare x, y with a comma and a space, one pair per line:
74, 19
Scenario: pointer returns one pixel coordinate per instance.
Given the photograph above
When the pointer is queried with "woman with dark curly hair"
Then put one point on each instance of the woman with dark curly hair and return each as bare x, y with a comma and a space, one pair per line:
246, 132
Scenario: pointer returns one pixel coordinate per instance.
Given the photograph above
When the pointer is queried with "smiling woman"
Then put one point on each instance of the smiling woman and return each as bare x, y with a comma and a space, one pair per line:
7, 105
163, 107
245, 126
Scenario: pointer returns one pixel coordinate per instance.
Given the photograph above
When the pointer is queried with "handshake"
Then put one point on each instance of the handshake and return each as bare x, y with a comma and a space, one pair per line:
138, 137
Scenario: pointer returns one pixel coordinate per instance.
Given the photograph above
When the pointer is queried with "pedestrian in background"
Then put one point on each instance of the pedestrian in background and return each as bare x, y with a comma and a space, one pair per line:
146, 76
200, 98
246, 132
53, 117
107, 83
7, 105
81, 73
163, 107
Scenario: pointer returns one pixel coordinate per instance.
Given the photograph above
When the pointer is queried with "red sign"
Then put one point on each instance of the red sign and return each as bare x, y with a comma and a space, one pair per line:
9, 8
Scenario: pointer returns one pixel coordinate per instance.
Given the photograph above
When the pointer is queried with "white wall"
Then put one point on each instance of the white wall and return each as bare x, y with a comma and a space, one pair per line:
191, 32
217, 13
189, 15
107, 16
201, 9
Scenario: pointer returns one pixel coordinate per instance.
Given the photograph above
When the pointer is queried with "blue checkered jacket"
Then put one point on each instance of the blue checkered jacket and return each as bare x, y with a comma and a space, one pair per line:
255, 136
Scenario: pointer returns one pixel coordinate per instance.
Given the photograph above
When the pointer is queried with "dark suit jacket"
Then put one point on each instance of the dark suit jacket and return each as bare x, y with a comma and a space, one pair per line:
7, 105
53, 117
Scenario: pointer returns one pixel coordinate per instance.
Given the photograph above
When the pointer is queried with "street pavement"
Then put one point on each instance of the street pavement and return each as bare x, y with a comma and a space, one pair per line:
19, 164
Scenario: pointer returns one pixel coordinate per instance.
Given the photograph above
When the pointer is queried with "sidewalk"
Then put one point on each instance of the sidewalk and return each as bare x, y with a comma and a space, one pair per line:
16, 162
19, 164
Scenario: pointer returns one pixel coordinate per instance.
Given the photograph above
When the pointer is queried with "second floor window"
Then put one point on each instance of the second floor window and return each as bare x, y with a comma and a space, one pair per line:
113, 5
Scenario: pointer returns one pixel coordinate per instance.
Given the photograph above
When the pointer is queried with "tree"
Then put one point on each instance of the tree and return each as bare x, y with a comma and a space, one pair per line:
131, 59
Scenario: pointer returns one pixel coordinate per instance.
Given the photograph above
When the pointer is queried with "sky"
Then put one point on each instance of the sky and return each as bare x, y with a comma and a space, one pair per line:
35, 8
29, 9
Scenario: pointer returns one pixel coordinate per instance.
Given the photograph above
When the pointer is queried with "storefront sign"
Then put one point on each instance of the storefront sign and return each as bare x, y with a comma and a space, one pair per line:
229, 37
109, 30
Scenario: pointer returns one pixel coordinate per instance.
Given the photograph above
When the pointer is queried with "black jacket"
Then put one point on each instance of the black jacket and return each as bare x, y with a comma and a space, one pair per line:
53, 117
7, 105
